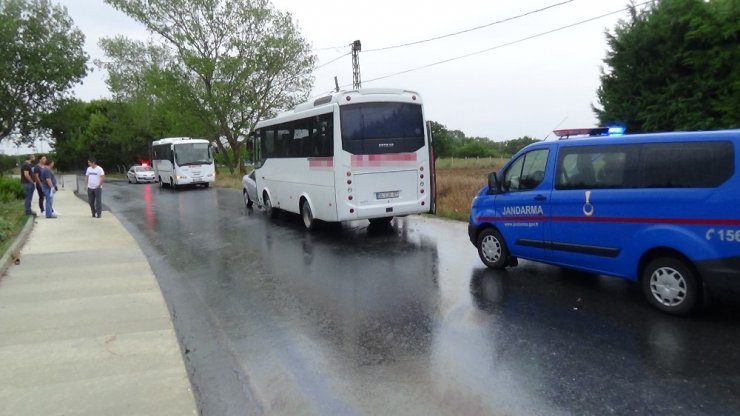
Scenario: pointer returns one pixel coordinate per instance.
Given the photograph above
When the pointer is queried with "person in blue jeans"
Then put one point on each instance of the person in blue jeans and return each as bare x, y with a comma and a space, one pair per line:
28, 183
49, 186
94, 178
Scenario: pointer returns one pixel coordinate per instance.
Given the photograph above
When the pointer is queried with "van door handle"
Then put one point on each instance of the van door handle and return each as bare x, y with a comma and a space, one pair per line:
540, 198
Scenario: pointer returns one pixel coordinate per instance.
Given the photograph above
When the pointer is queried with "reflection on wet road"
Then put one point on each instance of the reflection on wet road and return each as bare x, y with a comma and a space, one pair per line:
406, 320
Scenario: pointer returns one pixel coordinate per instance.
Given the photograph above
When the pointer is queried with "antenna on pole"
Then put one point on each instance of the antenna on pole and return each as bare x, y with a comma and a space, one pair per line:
356, 48
336, 84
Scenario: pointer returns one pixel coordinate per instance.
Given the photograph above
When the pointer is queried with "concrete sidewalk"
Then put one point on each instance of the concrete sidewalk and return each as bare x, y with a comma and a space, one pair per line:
84, 329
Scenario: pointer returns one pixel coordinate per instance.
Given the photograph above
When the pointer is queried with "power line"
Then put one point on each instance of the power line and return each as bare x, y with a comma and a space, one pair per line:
329, 48
333, 60
504, 44
471, 29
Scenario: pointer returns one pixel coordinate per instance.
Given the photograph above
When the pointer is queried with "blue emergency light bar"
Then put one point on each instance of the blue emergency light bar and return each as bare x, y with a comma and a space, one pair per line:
590, 132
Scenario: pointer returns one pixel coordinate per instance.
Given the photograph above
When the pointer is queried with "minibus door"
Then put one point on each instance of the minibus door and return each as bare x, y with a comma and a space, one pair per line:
523, 206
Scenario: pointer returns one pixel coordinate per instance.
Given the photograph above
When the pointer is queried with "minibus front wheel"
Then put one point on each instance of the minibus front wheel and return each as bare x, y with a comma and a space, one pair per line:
492, 249
671, 285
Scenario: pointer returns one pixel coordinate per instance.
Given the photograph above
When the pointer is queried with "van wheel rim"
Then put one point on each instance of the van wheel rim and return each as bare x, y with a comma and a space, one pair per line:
668, 286
491, 248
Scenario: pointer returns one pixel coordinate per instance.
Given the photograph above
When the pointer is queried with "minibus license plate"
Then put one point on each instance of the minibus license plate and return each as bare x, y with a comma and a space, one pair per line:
386, 195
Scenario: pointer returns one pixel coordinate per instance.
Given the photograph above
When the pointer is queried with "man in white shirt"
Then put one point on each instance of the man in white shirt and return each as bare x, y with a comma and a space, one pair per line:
94, 178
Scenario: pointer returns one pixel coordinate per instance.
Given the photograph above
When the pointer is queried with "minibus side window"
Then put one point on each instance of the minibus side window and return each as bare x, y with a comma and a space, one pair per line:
527, 171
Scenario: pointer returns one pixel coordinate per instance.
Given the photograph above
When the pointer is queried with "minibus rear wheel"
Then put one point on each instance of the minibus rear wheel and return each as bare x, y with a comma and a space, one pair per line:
492, 249
308, 220
671, 285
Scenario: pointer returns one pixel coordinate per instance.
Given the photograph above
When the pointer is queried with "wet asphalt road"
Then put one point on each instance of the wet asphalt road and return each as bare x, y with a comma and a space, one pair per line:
406, 320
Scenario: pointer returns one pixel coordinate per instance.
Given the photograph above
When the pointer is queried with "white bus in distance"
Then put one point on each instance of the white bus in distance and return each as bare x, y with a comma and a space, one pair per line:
352, 155
181, 161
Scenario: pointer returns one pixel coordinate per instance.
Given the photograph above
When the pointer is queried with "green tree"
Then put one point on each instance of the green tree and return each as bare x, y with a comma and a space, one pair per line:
42, 59
673, 66
512, 146
234, 61
443, 140
477, 147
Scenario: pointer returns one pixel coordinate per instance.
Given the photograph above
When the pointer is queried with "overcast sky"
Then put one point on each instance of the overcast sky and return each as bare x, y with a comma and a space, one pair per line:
526, 88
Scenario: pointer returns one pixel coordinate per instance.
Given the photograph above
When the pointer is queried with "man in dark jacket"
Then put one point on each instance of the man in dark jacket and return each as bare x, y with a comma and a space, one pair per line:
28, 182
37, 177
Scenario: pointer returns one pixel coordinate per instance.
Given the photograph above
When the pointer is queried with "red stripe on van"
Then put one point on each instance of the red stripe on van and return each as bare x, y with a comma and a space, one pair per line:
678, 221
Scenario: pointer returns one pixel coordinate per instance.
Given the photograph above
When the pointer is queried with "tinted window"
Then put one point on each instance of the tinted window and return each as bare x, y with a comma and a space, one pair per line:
373, 128
527, 171
686, 165
308, 137
594, 167
652, 165
162, 152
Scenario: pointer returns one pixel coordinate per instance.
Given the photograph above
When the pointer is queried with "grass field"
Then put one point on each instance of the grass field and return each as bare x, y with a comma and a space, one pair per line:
458, 180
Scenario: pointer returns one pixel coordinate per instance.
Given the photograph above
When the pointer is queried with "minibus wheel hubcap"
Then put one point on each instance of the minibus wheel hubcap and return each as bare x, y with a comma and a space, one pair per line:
668, 286
491, 248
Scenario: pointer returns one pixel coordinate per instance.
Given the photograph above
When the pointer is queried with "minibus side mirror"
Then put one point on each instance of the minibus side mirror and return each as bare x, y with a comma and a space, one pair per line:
494, 186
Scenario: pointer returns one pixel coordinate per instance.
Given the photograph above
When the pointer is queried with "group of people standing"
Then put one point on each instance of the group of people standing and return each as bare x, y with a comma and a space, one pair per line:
40, 177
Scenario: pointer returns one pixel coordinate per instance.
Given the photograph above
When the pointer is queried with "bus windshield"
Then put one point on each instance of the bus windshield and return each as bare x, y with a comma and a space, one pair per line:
382, 127
192, 154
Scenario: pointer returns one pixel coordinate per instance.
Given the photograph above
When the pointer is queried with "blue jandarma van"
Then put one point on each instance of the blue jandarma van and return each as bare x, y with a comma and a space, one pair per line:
662, 209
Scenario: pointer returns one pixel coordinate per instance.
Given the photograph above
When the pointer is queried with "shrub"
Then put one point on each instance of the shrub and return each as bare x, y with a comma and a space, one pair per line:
10, 189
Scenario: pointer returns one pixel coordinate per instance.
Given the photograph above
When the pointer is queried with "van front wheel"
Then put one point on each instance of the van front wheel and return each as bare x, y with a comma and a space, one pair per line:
492, 249
671, 285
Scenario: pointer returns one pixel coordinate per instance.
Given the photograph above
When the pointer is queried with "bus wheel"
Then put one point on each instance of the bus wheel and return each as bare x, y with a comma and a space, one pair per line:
269, 209
382, 221
671, 285
307, 215
172, 184
206, 184
492, 249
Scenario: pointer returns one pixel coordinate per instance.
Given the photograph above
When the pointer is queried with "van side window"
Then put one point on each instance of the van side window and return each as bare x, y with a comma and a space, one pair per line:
686, 165
652, 165
527, 171
595, 167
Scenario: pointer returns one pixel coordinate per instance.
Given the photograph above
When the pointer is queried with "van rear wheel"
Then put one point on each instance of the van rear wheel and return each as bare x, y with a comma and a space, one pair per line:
492, 249
671, 285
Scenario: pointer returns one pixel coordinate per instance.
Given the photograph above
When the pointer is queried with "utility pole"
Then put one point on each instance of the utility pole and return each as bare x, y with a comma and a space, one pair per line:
356, 48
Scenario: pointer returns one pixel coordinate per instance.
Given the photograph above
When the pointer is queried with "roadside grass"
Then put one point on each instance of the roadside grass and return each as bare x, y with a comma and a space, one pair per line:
12, 220
228, 180
457, 183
